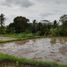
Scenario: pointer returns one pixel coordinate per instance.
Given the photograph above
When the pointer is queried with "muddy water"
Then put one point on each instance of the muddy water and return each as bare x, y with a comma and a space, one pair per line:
50, 49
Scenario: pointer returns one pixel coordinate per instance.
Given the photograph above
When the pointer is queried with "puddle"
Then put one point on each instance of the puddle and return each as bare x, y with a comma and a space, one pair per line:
52, 49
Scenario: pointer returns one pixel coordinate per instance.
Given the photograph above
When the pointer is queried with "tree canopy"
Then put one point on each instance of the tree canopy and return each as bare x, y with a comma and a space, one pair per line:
22, 24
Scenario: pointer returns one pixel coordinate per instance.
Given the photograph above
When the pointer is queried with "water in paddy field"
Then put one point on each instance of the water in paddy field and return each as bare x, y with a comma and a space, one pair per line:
50, 49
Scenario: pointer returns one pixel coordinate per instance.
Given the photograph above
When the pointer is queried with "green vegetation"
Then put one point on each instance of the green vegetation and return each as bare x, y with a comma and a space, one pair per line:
2, 28
22, 29
18, 37
30, 62
22, 25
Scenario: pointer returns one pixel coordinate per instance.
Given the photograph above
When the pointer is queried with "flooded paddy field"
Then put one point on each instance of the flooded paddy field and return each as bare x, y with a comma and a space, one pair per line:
45, 49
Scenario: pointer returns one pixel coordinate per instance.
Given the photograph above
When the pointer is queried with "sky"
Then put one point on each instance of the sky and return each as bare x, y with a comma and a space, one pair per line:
33, 9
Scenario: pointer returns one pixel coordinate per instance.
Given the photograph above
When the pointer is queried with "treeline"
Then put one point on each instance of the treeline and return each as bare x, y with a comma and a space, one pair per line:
22, 25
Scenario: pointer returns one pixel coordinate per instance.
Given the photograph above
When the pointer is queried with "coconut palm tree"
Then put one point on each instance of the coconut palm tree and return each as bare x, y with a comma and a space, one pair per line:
2, 19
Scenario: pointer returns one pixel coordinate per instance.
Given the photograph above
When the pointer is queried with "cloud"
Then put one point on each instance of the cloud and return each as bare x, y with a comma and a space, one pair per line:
33, 9
22, 3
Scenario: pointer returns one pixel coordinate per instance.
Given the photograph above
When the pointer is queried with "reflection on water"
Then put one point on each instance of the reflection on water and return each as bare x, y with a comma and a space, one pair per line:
39, 49
60, 40
53, 41
63, 50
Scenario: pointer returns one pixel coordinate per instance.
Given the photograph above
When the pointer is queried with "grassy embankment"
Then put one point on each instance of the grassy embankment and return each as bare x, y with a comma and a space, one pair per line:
28, 62
23, 36
18, 37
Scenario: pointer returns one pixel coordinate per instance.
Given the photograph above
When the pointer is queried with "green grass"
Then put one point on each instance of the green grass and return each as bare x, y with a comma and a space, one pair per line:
22, 36
19, 37
10, 58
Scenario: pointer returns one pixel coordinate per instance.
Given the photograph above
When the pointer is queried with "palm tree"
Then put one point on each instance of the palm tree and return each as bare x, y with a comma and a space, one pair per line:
2, 18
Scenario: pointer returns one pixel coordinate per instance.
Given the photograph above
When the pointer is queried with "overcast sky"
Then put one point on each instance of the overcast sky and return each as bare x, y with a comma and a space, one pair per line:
33, 9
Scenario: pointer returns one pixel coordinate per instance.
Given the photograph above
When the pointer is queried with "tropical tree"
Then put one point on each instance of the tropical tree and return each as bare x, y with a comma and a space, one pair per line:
63, 20
55, 24
34, 26
19, 24
2, 19
10, 28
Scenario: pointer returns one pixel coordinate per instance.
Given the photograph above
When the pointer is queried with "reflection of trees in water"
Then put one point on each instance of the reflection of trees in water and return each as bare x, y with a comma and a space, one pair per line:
63, 50
60, 40
53, 41
21, 42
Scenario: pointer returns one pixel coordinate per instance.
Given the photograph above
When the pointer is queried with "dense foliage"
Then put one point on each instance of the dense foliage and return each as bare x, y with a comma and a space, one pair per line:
22, 24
